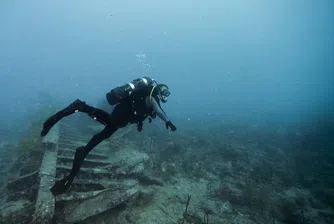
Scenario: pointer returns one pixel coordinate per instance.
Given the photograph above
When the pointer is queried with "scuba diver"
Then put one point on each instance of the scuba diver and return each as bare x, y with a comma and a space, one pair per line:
135, 102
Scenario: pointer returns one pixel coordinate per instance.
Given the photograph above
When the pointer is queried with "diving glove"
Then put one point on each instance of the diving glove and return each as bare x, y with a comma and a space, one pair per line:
170, 125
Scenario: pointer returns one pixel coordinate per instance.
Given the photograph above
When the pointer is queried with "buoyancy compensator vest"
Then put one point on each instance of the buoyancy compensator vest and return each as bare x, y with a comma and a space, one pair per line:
120, 93
138, 107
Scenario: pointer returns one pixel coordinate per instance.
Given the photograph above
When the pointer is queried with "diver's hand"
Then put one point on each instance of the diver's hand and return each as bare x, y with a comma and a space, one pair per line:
170, 125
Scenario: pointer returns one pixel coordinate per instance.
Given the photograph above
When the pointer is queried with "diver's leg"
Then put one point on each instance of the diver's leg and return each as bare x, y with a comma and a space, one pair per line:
82, 152
76, 106
80, 155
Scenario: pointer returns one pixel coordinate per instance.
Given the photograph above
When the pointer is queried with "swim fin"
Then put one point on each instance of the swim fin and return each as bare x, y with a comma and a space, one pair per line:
75, 106
48, 125
61, 186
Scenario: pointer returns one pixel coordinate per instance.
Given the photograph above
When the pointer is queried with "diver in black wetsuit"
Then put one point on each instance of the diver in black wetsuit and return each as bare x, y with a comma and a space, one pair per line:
134, 102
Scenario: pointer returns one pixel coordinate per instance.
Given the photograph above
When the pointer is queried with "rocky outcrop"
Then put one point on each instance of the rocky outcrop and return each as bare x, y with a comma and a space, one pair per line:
93, 203
107, 179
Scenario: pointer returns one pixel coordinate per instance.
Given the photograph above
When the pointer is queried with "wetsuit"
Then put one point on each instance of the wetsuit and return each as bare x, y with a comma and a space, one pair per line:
134, 109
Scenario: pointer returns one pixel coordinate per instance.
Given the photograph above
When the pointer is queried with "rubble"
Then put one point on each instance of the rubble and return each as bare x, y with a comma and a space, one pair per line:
230, 182
23, 182
16, 211
99, 184
146, 178
78, 210
92, 188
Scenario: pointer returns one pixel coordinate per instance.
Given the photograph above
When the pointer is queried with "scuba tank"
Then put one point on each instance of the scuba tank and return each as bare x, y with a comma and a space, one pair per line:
119, 93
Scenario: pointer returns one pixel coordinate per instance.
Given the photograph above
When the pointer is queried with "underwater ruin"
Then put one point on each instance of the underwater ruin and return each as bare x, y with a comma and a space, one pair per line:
234, 174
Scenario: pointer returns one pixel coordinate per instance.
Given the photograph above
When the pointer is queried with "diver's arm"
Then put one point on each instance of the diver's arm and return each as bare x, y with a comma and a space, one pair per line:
158, 111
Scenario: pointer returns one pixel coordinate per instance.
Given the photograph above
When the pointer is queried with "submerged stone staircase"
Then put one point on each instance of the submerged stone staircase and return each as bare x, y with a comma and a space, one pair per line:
94, 186
92, 168
94, 190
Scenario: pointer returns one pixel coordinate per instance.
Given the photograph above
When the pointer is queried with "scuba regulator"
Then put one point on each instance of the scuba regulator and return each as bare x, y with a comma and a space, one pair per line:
117, 94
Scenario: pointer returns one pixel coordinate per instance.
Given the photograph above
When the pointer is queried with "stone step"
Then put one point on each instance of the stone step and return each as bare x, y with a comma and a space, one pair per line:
83, 185
71, 140
97, 150
75, 145
73, 135
78, 206
87, 187
88, 163
67, 127
66, 152
85, 173
112, 183
102, 146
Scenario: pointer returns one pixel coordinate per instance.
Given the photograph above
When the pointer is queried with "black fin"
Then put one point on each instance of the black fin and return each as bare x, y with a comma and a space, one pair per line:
60, 187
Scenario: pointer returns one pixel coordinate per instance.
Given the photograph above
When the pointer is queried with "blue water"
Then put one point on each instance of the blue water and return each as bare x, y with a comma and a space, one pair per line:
257, 61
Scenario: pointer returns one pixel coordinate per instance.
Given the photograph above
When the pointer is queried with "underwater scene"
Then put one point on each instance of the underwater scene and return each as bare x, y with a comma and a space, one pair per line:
167, 112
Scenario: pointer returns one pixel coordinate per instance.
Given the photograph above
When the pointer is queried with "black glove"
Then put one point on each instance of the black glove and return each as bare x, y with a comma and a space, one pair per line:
170, 125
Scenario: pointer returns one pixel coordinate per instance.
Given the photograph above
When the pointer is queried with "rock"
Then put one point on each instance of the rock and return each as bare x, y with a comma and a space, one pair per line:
23, 182
79, 210
147, 179
225, 208
325, 195
17, 212
129, 162
13, 207
137, 170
